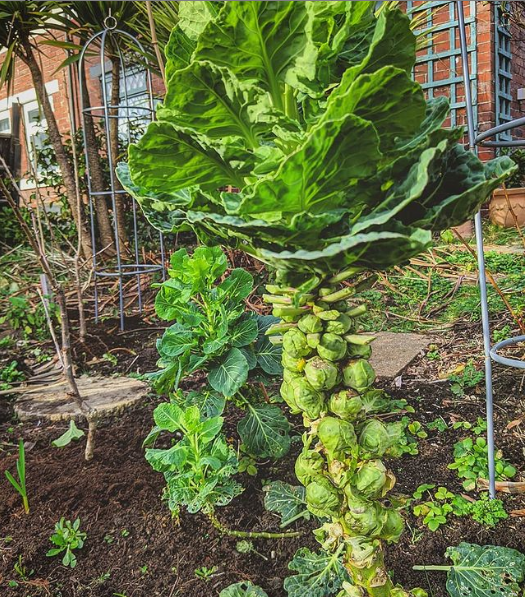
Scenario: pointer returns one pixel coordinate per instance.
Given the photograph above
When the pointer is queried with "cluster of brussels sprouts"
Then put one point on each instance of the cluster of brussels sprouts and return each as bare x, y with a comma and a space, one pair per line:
327, 378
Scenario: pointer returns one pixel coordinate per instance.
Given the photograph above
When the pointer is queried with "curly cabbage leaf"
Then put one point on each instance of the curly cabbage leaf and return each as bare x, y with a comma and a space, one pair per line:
293, 130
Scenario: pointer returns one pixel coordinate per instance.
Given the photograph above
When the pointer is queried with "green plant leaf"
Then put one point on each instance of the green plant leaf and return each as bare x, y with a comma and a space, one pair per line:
287, 500
485, 570
237, 286
73, 433
264, 431
168, 416
243, 589
263, 50
244, 332
176, 340
268, 356
231, 373
318, 574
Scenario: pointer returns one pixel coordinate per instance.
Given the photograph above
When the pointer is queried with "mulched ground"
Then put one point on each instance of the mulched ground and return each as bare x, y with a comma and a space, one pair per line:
134, 547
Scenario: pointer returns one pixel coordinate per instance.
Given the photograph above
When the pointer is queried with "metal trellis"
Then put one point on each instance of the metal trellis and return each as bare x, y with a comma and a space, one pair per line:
476, 139
128, 114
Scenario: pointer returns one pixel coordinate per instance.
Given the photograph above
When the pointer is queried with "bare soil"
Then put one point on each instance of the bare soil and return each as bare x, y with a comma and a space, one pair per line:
134, 548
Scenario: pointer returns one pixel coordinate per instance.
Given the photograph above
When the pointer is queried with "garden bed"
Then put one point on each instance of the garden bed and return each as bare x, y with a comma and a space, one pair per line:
135, 548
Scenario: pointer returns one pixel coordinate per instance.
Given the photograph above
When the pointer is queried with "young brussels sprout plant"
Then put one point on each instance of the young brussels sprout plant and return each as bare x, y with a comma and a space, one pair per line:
294, 131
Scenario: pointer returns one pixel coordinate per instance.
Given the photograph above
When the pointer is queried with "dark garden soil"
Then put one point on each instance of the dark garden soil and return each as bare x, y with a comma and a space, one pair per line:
134, 548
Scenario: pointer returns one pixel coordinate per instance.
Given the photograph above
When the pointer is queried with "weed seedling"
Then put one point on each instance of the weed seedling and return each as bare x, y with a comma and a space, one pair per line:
21, 569
205, 573
471, 462
144, 570
246, 546
124, 533
469, 378
438, 425
20, 485
67, 537
9, 375
486, 511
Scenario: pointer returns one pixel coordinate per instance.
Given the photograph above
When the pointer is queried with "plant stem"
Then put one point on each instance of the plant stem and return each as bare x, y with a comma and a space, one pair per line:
430, 568
25, 501
249, 534
339, 295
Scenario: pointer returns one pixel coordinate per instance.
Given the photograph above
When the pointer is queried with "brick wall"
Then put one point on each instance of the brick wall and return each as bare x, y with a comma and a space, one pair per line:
50, 58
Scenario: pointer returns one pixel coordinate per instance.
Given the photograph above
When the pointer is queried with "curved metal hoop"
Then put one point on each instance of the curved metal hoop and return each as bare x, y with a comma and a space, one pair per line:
516, 363
106, 113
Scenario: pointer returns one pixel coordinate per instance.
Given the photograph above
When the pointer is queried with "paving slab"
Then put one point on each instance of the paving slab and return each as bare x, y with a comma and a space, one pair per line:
108, 395
392, 352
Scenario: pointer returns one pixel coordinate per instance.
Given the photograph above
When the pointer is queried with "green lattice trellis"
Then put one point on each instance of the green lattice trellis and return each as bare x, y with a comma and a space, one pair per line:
450, 56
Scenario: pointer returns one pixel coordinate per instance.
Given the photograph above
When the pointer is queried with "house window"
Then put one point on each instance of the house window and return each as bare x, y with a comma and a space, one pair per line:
133, 93
5, 123
36, 135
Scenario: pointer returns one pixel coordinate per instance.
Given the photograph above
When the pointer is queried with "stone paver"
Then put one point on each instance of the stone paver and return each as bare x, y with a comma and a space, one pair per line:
108, 395
392, 352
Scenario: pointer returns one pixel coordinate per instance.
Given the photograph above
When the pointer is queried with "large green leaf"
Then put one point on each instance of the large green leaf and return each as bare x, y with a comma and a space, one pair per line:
485, 571
287, 500
211, 101
167, 160
262, 41
244, 332
268, 356
243, 589
231, 373
318, 574
264, 431
314, 177
176, 340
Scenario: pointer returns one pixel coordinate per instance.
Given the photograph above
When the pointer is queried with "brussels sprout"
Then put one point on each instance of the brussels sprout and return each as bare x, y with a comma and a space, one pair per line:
337, 436
328, 315
307, 398
364, 517
393, 526
331, 347
341, 306
341, 325
294, 343
372, 480
293, 364
286, 392
289, 375
321, 374
345, 404
377, 437
322, 498
313, 340
308, 466
319, 307
310, 324
359, 351
358, 374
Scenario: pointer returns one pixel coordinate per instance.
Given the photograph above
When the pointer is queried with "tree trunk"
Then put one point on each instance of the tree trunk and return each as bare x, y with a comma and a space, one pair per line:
114, 145
66, 168
96, 175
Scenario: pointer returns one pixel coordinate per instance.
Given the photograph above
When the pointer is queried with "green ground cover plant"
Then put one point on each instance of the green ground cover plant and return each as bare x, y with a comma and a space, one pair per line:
67, 538
20, 484
294, 132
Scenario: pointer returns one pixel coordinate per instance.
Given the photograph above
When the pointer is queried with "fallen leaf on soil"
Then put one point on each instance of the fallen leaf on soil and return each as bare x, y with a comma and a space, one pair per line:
514, 423
517, 513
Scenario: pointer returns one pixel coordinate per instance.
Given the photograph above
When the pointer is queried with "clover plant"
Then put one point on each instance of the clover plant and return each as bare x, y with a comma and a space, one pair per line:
294, 131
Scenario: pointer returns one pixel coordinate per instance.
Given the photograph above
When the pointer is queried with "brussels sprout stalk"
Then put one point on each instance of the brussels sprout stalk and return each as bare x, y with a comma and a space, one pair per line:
340, 467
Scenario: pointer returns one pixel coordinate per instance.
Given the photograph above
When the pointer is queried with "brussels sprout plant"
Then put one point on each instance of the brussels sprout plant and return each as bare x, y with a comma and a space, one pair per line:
294, 131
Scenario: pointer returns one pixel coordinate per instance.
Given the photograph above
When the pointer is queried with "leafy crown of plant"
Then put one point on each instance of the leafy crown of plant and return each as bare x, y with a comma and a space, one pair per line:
294, 130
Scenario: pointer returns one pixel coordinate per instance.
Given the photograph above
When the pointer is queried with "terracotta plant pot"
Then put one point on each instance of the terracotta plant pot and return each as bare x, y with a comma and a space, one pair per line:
499, 211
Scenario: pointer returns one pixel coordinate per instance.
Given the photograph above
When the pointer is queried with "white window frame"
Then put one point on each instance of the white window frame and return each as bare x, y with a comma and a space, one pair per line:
6, 115
32, 128
25, 98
